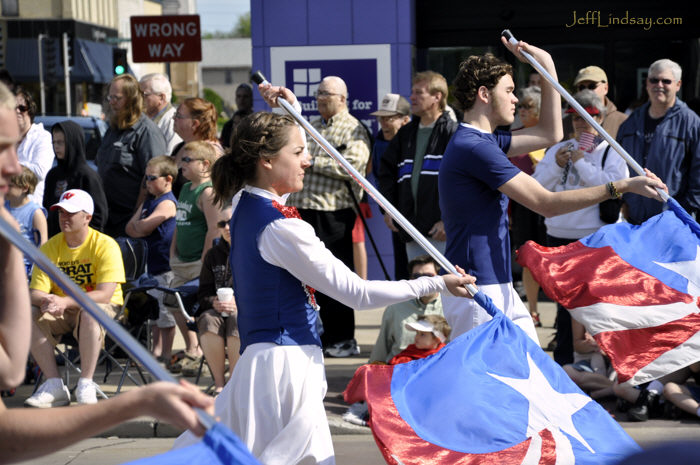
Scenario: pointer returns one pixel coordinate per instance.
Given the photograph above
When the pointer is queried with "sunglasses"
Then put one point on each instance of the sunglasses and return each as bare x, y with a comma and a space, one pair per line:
188, 159
419, 275
22, 108
666, 82
223, 223
153, 178
526, 106
591, 86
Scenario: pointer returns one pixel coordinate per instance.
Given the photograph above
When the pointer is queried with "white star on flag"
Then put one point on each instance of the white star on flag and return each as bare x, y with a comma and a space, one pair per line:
690, 270
547, 406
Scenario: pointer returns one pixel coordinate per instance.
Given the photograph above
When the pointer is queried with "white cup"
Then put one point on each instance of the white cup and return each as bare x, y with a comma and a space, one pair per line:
224, 294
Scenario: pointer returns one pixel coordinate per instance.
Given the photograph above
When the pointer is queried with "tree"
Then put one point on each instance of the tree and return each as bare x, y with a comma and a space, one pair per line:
242, 28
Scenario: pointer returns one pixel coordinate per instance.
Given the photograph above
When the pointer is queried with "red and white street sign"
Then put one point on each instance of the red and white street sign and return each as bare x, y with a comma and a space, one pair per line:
165, 38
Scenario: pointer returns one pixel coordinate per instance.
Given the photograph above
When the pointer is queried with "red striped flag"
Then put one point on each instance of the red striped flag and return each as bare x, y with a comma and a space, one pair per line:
635, 289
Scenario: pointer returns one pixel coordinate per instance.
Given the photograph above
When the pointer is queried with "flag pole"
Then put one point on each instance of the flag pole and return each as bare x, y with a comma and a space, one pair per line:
479, 297
582, 112
117, 332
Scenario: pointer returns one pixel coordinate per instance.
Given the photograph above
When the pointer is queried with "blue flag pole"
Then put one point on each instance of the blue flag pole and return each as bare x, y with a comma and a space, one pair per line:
672, 204
120, 335
483, 300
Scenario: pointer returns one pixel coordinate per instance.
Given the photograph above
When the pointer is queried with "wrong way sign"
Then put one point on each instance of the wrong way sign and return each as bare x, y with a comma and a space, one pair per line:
165, 38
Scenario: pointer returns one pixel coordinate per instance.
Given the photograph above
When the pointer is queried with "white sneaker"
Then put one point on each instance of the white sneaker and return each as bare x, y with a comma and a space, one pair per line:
53, 393
85, 392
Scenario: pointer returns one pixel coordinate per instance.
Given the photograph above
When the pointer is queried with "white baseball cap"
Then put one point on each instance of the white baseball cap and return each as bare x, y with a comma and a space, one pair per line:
75, 200
393, 104
426, 327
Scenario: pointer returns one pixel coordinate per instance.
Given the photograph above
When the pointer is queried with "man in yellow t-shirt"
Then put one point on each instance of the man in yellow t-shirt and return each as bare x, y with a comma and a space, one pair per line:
93, 261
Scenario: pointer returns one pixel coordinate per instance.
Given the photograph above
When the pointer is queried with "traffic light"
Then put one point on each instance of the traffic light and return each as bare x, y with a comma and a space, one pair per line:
119, 61
50, 59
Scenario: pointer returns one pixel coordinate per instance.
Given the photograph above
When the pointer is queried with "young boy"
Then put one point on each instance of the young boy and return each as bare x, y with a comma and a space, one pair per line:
195, 230
30, 215
431, 333
154, 221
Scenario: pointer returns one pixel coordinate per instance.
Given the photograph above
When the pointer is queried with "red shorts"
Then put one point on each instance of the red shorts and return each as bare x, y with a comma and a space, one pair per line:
358, 231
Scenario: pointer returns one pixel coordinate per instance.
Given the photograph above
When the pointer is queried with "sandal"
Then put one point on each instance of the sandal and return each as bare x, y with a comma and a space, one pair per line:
536, 320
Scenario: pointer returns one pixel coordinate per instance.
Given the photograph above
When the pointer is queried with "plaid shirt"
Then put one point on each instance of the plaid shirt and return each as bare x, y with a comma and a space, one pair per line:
324, 183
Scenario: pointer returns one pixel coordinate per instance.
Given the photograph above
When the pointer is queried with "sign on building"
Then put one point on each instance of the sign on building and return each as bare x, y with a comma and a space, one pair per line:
162, 39
366, 69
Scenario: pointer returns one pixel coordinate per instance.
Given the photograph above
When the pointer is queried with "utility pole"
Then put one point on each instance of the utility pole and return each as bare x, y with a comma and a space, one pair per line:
40, 47
66, 71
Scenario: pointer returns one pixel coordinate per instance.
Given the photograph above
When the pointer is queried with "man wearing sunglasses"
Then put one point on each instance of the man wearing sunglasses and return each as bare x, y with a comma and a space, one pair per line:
664, 136
594, 78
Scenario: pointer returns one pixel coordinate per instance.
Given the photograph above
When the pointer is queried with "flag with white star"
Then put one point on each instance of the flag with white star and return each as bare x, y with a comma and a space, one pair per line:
491, 396
636, 289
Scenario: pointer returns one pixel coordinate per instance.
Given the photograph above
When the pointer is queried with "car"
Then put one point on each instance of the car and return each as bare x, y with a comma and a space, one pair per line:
94, 129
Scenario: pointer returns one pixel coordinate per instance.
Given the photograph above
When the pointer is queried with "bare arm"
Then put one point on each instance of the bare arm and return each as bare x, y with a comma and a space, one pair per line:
40, 224
30, 433
526, 191
548, 130
56, 305
142, 227
211, 213
15, 311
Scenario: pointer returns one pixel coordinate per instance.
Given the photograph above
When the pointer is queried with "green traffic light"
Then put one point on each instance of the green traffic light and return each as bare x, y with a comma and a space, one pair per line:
119, 69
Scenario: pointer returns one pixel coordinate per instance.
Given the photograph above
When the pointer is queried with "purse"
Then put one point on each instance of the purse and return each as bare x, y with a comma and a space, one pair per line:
609, 209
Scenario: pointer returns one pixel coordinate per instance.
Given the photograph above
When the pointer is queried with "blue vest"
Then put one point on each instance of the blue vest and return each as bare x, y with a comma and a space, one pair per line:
273, 305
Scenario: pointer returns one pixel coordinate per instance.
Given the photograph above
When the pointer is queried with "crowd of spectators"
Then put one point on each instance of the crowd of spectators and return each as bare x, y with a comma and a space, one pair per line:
153, 182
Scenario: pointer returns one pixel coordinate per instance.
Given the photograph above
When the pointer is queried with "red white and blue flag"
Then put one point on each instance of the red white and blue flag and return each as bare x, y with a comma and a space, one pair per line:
491, 396
634, 288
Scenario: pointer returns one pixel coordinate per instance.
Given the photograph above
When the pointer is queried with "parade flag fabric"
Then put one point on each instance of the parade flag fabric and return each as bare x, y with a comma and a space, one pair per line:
491, 396
219, 446
634, 288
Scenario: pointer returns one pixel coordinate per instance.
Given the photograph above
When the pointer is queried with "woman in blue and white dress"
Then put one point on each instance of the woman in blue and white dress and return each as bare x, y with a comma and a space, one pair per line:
274, 399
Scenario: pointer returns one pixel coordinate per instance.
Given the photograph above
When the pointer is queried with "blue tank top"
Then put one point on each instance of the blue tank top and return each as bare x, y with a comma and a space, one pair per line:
273, 306
161, 237
25, 217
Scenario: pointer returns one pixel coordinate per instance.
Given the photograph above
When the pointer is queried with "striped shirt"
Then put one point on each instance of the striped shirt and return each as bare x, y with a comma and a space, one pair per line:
324, 182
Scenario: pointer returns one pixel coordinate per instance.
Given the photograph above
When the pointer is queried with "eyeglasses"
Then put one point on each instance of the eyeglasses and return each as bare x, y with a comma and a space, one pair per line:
324, 93
188, 159
418, 275
389, 118
181, 116
591, 86
666, 82
22, 108
526, 106
223, 223
113, 98
150, 177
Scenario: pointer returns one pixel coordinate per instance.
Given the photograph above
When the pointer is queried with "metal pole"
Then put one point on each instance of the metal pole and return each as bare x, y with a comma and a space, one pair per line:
66, 73
258, 78
120, 335
42, 90
582, 112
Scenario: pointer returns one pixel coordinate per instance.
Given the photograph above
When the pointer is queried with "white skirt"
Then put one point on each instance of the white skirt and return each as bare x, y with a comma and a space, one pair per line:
274, 403
464, 314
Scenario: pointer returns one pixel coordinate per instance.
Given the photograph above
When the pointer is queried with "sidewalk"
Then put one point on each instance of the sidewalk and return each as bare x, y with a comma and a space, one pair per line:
339, 371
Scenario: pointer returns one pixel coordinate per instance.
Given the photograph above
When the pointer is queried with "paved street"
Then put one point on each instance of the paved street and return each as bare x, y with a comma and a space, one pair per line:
354, 445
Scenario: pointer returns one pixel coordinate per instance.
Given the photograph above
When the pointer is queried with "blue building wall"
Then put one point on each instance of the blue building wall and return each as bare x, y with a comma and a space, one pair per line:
286, 23
299, 23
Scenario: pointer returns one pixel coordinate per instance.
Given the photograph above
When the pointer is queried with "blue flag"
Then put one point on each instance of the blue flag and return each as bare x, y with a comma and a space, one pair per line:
490, 396
218, 447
